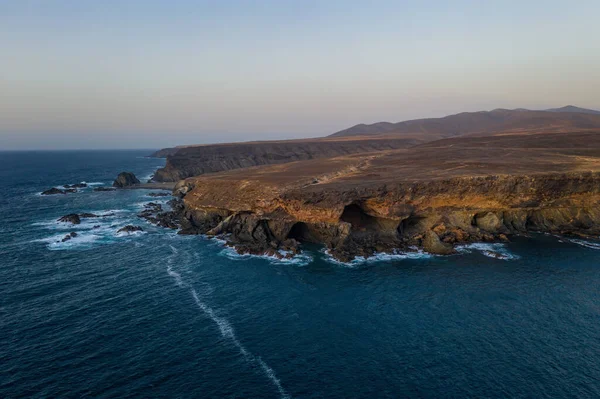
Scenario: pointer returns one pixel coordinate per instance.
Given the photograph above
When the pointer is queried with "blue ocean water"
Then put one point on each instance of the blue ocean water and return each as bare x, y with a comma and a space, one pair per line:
161, 315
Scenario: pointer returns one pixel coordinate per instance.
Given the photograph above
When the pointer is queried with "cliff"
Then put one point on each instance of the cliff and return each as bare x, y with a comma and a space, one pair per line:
432, 196
198, 160
163, 153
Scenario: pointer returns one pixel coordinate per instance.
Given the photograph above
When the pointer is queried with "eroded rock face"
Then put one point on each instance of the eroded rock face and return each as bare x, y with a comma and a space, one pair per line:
433, 216
432, 244
125, 179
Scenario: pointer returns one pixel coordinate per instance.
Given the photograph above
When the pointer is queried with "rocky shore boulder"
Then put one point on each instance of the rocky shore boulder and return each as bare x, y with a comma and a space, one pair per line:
125, 179
433, 244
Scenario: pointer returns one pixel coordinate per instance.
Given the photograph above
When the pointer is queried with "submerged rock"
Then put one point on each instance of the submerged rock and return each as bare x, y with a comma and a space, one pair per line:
88, 215
76, 185
69, 236
71, 218
104, 189
53, 191
129, 229
159, 194
125, 179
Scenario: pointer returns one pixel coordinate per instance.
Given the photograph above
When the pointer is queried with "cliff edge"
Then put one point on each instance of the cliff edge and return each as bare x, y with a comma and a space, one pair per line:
432, 196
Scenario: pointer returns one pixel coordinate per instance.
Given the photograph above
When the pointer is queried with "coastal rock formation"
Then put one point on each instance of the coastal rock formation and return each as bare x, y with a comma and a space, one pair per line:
69, 236
71, 218
129, 229
76, 185
125, 179
53, 191
197, 160
431, 197
104, 189
155, 214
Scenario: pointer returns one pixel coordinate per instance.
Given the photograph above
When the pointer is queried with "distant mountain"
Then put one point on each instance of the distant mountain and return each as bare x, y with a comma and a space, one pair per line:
484, 122
572, 108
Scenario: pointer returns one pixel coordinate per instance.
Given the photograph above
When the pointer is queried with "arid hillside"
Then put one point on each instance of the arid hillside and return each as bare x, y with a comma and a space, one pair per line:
484, 122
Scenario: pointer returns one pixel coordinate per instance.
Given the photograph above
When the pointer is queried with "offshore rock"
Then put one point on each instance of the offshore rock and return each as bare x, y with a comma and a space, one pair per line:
53, 191
125, 179
129, 229
71, 218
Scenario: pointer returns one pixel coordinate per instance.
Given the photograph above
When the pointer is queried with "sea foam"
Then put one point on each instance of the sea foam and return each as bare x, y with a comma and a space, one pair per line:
377, 257
491, 250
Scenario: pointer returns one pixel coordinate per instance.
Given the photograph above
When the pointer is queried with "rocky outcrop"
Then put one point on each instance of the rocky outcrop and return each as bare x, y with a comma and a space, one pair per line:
199, 160
53, 191
155, 214
125, 179
69, 237
101, 189
71, 218
76, 185
129, 229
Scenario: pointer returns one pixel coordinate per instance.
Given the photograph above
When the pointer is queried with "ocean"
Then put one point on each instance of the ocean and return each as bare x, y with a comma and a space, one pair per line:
158, 315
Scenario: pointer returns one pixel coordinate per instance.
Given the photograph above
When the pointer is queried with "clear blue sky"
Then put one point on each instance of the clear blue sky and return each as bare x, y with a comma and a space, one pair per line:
149, 73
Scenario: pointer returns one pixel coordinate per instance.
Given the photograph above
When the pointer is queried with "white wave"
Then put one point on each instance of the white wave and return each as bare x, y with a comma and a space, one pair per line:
81, 241
129, 234
378, 257
225, 328
494, 250
301, 259
96, 183
585, 243
228, 332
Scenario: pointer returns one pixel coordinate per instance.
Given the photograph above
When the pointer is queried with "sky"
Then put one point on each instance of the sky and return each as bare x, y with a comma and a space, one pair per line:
153, 74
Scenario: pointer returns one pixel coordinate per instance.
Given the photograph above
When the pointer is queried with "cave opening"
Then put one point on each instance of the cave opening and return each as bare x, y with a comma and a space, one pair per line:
300, 232
359, 220
409, 224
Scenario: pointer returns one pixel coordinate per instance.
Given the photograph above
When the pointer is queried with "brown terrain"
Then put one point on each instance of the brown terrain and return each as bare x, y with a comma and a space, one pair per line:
479, 186
197, 160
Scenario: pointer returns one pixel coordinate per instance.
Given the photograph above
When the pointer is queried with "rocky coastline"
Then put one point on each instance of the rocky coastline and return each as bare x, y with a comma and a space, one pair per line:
433, 216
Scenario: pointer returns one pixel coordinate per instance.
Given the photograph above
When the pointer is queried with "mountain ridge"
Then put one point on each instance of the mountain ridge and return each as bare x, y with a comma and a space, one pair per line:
497, 120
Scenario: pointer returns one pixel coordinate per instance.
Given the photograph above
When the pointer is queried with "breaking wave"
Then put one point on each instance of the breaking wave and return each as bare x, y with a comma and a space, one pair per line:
493, 250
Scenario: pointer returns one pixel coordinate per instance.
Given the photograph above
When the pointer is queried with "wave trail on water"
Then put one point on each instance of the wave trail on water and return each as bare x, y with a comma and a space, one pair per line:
585, 243
225, 328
